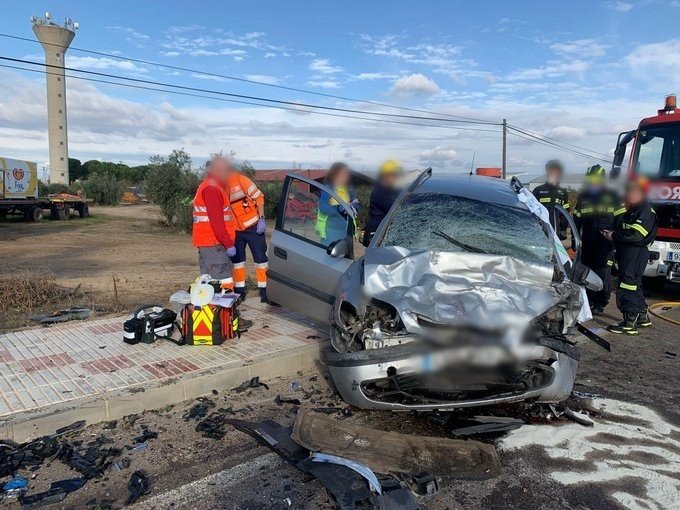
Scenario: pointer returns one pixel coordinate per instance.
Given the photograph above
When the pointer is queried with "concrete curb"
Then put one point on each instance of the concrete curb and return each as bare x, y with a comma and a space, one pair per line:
113, 405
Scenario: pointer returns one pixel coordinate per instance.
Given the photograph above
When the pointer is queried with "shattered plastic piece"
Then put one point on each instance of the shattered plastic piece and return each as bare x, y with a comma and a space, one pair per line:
364, 471
593, 337
26, 455
391, 452
251, 383
213, 426
199, 410
57, 492
488, 424
580, 418
279, 400
67, 314
70, 428
273, 435
137, 486
15, 487
295, 386
145, 435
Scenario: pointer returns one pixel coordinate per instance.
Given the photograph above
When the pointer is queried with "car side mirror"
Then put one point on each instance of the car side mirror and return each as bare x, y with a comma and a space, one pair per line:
584, 276
338, 249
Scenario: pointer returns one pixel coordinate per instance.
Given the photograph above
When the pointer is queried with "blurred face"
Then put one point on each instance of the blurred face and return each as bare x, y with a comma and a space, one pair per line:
634, 195
220, 169
389, 180
342, 177
554, 175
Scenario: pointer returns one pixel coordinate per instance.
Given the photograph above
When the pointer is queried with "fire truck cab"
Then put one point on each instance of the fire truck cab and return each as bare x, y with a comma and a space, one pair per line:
655, 153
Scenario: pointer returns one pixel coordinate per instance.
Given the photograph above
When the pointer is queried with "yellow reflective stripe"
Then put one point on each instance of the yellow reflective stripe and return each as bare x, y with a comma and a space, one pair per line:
586, 210
627, 286
610, 263
566, 205
577, 214
544, 200
620, 211
639, 228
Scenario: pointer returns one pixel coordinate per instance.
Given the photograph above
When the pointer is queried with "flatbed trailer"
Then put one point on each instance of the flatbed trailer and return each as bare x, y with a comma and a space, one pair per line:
32, 209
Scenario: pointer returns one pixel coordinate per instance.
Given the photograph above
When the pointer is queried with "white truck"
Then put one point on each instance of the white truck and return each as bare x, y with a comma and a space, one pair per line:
19, 194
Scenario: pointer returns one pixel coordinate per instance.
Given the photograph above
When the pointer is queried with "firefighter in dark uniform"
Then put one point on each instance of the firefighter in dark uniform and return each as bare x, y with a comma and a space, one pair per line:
597, 209
631, 237
552, 194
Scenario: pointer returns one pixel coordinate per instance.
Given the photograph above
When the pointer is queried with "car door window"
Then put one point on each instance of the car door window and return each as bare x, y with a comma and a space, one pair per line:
313, 215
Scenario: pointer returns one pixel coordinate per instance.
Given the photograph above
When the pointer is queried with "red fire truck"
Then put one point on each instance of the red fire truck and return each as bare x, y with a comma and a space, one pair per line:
655, 153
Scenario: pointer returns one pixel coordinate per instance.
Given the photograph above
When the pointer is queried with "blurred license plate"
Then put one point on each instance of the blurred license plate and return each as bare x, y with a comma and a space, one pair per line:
673, 256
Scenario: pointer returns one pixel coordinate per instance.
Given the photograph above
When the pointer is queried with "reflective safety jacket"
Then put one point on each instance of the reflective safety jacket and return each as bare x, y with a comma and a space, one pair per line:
202, 233
593, 213
244, 197
634, 233
550, 196
328, 207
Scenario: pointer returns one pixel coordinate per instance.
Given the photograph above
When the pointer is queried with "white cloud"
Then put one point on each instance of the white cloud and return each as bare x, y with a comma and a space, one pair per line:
263, 78
130, 34
324, 66
374, 76
656, 61
554, 68
566, 133
621, 6
415, 85
323, 84
582, 48
102, 63
440, 154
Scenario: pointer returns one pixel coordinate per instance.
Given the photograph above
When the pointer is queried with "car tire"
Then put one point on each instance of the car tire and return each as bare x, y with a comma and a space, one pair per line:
84, 210
34, 214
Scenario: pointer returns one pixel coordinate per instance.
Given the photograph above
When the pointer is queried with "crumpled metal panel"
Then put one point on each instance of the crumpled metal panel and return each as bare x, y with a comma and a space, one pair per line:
483, 291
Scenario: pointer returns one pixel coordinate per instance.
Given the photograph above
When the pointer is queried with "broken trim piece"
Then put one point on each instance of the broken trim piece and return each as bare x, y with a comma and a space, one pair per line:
364, 471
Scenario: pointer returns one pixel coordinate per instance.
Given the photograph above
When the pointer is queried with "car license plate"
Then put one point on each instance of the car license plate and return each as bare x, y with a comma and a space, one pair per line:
673, 256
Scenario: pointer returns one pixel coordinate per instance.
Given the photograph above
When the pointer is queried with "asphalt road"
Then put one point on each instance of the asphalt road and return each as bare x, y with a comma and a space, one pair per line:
630, 459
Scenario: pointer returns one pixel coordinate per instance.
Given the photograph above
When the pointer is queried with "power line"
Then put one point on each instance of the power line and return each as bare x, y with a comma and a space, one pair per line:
240, 96
296, 110
532, 133
535, 139
254, 82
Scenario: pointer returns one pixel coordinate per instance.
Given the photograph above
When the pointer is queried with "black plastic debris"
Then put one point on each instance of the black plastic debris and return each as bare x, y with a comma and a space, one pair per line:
670, 354
110, 425
137, 486
14, 456
487, 425
90, 462
67, 314
214, 426
56, 493
199, 410
251, 383
279, 400
145, 435
70, 428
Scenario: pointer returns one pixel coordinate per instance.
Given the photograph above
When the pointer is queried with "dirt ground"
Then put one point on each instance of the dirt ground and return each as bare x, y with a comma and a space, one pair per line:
126, 244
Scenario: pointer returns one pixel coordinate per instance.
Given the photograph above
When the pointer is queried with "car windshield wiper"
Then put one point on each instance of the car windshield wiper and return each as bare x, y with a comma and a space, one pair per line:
464, 246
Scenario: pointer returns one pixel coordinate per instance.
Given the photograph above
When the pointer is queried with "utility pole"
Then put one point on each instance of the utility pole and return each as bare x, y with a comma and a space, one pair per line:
505, 148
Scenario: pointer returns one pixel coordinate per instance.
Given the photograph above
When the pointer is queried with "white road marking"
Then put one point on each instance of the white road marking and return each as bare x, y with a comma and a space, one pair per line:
648, 434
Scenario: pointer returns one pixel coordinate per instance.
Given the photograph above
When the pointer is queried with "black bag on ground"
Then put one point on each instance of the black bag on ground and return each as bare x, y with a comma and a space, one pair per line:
148, 323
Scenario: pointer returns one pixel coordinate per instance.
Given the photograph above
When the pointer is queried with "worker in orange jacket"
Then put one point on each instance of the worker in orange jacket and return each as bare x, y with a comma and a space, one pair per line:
214, 232
247, 204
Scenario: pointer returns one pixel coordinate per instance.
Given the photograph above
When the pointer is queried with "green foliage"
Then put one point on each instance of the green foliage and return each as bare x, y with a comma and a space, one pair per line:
272, 195
121, 171
45, 189
364, 196
246, 169
171, 183
104, 189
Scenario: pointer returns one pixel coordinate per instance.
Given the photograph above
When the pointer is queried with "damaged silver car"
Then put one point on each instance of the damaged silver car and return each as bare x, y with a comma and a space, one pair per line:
465, 296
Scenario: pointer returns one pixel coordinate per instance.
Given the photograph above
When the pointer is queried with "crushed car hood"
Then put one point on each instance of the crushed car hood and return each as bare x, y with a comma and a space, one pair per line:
446, 288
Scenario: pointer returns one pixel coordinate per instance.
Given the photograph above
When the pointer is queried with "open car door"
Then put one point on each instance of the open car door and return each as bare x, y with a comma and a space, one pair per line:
307, 255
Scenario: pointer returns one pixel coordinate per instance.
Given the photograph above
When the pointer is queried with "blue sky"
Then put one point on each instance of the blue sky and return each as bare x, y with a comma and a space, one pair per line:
576, 71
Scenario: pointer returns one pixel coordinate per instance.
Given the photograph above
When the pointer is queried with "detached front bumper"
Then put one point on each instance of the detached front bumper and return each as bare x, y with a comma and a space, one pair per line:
410, 377
664, 261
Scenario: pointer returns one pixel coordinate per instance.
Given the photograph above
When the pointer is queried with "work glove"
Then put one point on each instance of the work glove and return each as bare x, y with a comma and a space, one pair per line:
261, 226
231, 252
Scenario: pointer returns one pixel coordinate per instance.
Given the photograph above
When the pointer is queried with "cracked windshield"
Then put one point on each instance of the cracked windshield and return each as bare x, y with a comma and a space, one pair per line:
434, 221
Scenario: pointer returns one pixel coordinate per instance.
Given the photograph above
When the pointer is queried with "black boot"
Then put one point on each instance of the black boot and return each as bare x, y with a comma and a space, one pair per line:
264, 299
643, 319
628, 326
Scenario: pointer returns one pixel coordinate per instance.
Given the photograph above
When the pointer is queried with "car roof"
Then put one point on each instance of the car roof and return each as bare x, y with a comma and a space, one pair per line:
475, 187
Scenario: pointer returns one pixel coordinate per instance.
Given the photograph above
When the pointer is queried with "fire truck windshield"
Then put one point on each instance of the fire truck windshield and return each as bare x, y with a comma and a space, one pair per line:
658, 152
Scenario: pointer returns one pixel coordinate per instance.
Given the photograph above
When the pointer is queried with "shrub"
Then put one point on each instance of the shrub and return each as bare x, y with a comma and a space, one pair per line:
45, 189
272, 195
104, 189
171, 183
